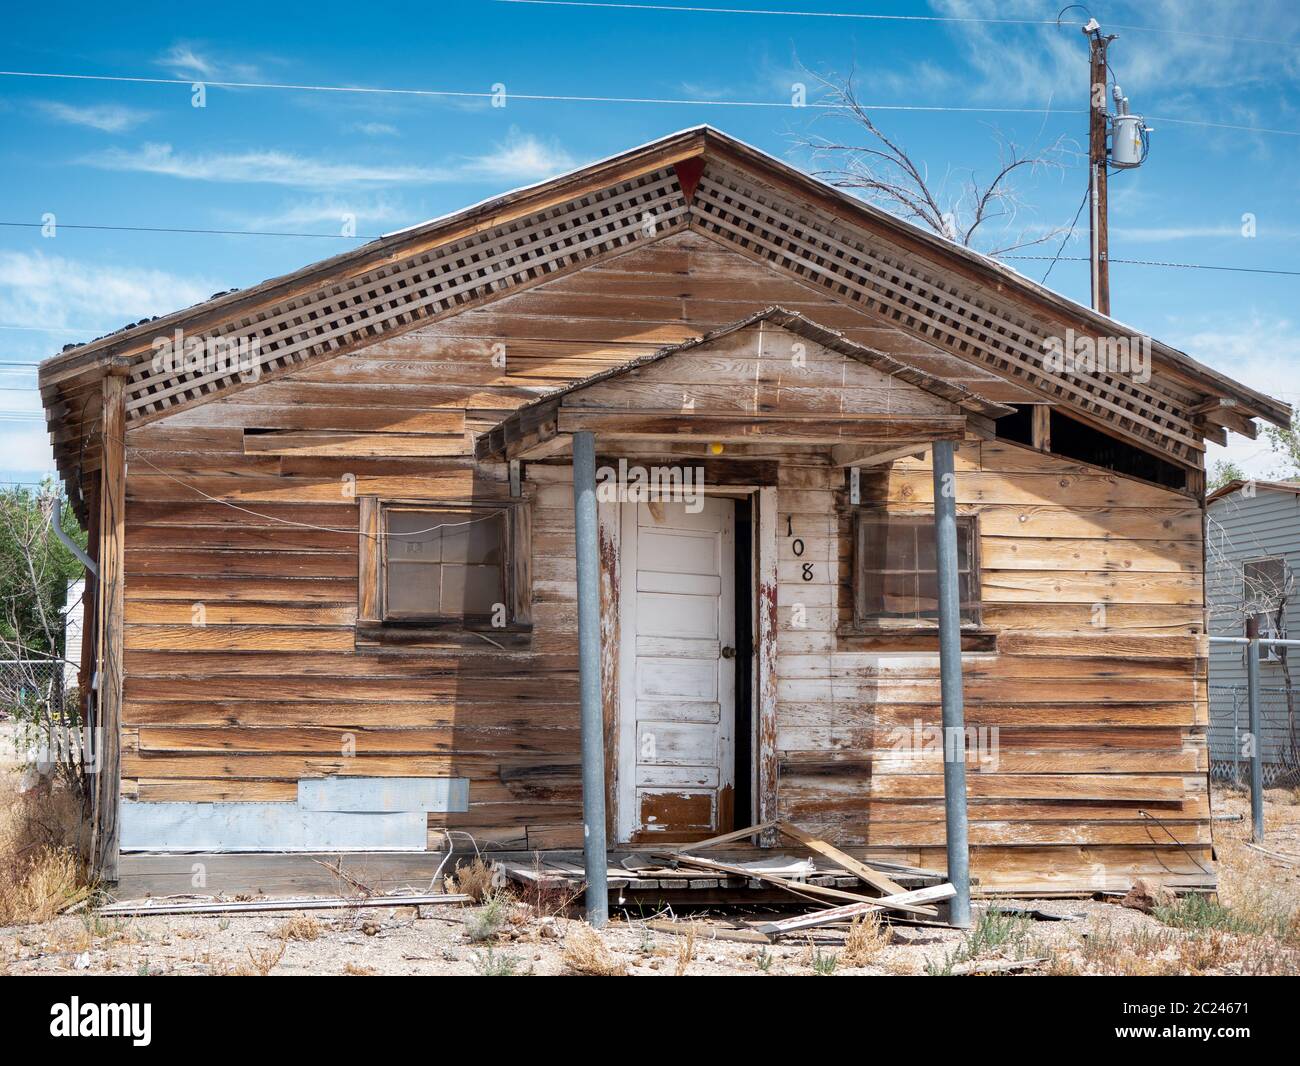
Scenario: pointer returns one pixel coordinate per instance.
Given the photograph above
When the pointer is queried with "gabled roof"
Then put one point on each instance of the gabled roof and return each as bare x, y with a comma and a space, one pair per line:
1237, 483
697, 179
524, 420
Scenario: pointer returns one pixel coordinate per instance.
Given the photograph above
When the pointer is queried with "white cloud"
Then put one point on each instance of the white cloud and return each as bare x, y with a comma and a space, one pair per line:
110, 118
266, 166
1030, 65
328, 214
26, 450
182, 59
1258, 351
376, 129
185, 60
521, 157
50, 291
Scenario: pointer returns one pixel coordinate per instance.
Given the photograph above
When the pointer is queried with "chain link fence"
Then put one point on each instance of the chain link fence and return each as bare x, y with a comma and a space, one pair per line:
1279, 741
31, 684
39, 712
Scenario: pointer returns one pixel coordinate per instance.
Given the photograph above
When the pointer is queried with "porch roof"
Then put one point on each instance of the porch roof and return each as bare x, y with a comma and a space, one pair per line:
831, 390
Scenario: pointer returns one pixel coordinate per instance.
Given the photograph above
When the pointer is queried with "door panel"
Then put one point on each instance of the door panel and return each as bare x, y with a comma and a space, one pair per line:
677, 698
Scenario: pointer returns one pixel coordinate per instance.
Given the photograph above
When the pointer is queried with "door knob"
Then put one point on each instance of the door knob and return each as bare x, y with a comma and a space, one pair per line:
728, 652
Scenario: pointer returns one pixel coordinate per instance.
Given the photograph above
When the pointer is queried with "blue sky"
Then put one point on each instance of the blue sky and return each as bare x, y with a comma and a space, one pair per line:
301, 161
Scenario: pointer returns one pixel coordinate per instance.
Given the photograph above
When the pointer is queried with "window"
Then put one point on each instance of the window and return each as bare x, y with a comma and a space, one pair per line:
1264, 596
896, 584
453, 566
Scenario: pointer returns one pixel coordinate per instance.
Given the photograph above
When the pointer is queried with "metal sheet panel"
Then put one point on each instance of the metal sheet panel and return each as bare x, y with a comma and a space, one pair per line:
387, 794
173, 826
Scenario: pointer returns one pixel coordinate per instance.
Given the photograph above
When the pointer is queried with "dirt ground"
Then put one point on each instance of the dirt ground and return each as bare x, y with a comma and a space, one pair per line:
1254, 928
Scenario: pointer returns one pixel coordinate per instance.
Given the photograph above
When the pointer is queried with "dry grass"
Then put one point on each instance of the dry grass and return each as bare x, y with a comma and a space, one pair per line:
585, 953
260, 962
41, 872
351, 969
1251, 927
475, 879
685, 951
299, 927
867, 937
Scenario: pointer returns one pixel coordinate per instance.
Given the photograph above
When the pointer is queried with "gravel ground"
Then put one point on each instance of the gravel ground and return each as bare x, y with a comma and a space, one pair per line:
452, 939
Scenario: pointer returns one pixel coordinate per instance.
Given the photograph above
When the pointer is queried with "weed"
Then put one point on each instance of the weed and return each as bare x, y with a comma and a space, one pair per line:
685, 951
867, 937
488, 921
585, 953
1197, 912
489, 963
994, 930
299, 927
476, 879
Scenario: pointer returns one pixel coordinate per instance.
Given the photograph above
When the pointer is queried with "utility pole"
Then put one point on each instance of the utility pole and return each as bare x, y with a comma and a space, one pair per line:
1098, 110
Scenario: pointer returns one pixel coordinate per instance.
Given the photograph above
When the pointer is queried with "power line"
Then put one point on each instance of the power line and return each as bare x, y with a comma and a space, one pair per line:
543, 97
807, 14
893, 18
40, 329
187, 230
656, 101
1158, 263
1069, 233
172, 229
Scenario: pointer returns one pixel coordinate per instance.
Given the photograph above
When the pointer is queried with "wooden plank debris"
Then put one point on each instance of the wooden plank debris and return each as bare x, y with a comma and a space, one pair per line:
708, 931
963, 969
799, 888
904, 901
257, 906
874, 878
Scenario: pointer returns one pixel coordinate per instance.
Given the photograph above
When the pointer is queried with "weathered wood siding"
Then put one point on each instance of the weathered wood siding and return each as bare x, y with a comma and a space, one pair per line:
1091, 672
242, 673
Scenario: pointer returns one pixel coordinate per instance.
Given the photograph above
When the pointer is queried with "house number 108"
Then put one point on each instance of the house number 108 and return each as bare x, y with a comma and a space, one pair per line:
797, 546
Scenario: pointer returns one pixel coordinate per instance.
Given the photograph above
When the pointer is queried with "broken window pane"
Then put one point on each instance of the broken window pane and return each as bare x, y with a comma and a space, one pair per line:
896, 572
445, 564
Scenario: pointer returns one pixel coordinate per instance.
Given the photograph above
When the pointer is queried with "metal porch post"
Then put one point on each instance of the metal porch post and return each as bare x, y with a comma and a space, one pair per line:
1256, 738
954, 725
593, 726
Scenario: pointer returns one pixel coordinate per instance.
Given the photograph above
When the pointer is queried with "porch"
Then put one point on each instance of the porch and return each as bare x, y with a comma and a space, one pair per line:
722, 414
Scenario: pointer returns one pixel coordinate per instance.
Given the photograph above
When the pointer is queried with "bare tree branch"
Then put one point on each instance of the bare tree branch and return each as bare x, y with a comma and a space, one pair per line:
878, 168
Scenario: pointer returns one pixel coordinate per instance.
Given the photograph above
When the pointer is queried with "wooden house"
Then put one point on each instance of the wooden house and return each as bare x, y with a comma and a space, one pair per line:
338, 607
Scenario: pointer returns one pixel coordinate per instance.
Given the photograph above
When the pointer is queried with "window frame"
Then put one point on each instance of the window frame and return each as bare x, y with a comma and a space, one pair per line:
373, 616
1271, 623
876, 625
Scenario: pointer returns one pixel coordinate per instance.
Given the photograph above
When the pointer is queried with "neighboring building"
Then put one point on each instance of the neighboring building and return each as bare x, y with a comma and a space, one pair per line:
339, 590
73, 614
1252, 560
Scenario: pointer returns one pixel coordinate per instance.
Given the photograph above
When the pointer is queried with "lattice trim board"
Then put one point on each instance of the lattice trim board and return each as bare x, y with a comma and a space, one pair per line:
727, 203
361, 309
826, 251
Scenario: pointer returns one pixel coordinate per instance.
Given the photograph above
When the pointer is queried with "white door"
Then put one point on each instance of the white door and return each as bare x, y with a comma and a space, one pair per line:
677, 671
